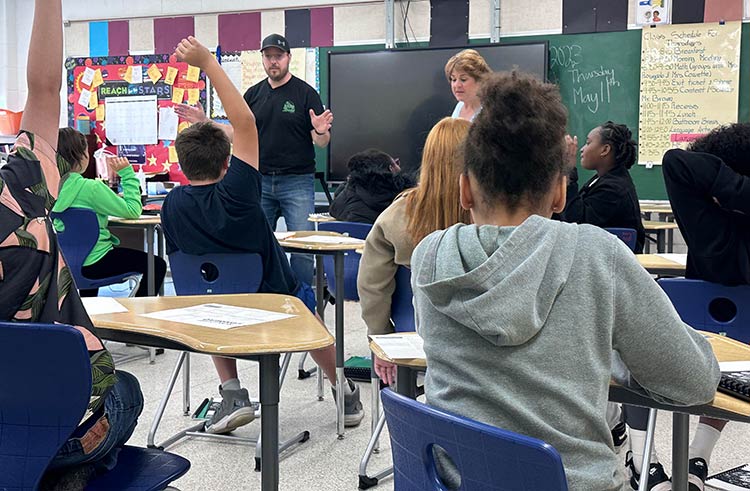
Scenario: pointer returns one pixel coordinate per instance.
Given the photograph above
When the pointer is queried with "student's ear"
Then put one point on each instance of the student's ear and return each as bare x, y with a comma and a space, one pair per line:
466, 195
606, 150
559, 194
226, 163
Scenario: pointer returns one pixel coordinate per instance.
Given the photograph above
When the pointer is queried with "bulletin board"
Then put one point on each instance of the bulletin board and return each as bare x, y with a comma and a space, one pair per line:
94, 80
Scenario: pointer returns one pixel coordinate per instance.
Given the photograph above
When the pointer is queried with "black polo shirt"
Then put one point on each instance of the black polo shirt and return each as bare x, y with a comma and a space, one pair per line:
283, 119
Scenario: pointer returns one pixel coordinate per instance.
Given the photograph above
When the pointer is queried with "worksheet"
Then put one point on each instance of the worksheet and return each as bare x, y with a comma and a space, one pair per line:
218, 316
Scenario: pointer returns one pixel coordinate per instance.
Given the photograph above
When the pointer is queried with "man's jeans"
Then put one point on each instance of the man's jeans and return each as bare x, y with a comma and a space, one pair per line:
293, 197
122, 407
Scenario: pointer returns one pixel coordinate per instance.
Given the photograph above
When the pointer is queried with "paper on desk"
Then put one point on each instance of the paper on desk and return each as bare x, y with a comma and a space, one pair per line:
283, 235
168, 121
218, 316
398, 347
102, 305
735, 366
327, 239
677, 258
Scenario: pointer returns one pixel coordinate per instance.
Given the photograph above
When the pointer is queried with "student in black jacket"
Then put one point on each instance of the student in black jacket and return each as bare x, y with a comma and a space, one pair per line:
373, 183
609, 198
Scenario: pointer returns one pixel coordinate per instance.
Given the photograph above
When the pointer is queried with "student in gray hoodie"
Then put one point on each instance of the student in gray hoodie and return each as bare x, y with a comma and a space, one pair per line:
524, 318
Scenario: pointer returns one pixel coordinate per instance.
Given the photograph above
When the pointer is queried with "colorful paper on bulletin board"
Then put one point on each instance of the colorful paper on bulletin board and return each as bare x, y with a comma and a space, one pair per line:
113, 71
652, 12
690, 77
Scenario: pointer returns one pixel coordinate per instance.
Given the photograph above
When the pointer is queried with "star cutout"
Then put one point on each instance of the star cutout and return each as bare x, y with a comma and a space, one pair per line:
151, 160
167, 166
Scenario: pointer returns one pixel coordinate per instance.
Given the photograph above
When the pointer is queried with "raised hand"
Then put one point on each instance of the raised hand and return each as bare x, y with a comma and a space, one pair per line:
571, 150
190, 50
191, 114
116, 164
321, 123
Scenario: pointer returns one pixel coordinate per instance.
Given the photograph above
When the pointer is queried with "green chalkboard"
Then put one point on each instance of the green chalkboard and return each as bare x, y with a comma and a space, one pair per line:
599, 79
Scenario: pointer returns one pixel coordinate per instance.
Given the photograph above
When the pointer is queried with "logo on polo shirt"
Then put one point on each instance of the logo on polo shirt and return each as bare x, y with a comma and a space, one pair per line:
288, 107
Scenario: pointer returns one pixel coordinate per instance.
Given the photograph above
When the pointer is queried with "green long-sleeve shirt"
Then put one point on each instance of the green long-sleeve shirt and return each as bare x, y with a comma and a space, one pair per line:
79, 192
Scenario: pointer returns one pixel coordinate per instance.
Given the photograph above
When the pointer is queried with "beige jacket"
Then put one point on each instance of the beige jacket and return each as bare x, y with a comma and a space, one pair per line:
387, 247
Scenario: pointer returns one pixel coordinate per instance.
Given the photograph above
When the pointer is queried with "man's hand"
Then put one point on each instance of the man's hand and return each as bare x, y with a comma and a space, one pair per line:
571, 150
322, 123
193, 52
116, 164
385, 370
191, 114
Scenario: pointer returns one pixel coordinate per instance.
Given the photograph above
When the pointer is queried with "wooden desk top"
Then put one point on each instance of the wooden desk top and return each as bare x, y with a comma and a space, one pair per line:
655, 225
318, 246
301, 333
666, 209
142, 220
655, 264
725, 349
320, 218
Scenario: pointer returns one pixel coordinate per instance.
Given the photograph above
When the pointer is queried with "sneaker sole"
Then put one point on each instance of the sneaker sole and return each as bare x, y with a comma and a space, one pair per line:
231, 422
695, 483
353, 419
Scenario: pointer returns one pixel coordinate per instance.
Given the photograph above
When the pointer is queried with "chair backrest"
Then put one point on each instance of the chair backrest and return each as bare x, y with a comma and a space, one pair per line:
711, 307
627, 235
402, 308
351, 260
486, 457
216, 273
44, 390
78, 237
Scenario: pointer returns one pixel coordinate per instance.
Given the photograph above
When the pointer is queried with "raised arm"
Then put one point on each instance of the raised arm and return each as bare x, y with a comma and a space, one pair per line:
41, 115
196, 114
240, 116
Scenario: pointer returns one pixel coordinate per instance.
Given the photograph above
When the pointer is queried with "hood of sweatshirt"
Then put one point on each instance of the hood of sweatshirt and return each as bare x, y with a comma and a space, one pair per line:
74, 184
499, 281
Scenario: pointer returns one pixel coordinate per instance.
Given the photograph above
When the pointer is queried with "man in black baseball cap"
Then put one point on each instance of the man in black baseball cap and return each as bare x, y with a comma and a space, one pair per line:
276, 41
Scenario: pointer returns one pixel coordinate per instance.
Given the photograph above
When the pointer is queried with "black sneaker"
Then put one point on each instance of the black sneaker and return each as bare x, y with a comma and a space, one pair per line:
657, 478
619, 436
697, 472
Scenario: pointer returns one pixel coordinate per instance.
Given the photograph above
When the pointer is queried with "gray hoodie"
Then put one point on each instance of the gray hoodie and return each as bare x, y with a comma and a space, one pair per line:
520, 324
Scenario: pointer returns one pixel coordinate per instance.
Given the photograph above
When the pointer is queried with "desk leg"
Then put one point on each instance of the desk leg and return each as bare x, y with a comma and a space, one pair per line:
160, 252
680, 445
661, 236
670, 240
321, 308
406, 382
338, 268
150, 233
269, 421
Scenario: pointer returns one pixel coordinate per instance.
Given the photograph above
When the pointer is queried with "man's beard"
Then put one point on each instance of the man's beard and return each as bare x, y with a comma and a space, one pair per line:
280, 76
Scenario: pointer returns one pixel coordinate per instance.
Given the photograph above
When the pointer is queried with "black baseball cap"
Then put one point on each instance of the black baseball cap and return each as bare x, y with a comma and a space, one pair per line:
275, 41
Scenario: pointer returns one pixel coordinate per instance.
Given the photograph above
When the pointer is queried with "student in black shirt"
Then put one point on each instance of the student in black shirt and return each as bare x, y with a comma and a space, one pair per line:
609, 198
374, 180
220, 211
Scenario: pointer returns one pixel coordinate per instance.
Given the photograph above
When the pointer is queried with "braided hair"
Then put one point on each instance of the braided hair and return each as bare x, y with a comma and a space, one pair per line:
620, 138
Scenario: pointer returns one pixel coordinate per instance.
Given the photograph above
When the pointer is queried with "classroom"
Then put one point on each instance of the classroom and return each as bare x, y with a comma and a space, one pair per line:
513, 234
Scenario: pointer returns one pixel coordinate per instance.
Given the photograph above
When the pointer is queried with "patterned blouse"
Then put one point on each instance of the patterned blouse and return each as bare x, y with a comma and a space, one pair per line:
35, 283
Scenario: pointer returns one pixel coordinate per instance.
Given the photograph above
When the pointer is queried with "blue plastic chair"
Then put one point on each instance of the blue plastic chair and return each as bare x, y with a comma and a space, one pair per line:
76, 242
216, 273
711, 307
351, 260
627, 235
486, 457
40, 410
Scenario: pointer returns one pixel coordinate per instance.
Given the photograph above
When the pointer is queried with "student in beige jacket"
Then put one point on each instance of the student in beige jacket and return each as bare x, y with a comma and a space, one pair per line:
432, 205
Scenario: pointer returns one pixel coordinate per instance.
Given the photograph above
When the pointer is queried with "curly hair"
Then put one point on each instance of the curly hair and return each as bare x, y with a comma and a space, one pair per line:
731, 143
515, 147
470, 62
620, 138
370, 160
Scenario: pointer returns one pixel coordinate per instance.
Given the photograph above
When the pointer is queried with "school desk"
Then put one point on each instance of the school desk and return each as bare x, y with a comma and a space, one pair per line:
664, 232
149, 223
261, 342
337, 251
663, 266
723, 406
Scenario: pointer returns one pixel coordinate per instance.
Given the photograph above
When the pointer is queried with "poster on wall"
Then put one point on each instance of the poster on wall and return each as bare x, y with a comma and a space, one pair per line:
245, 69
652, 12
122, 100
689, 85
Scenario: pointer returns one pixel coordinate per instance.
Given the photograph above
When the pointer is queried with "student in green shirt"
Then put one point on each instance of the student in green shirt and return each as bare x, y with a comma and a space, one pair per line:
105, 259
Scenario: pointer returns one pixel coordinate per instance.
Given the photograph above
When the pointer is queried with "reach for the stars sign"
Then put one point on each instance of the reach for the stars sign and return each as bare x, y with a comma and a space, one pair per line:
94, 80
